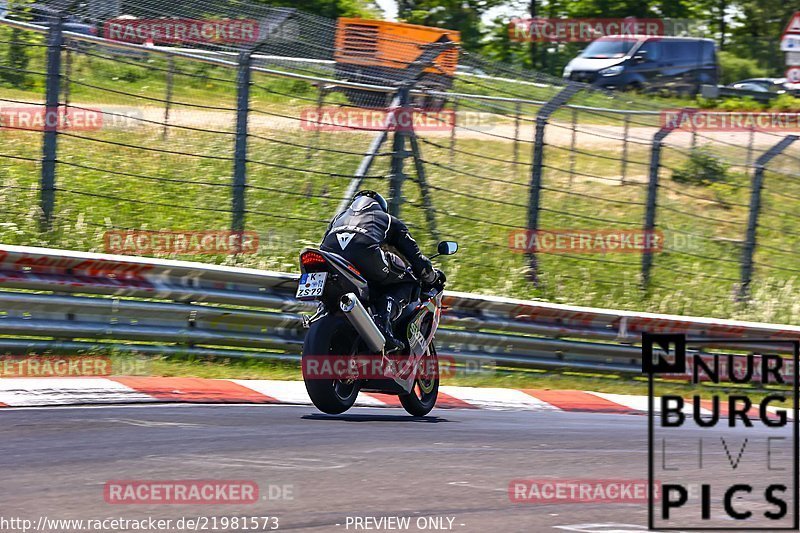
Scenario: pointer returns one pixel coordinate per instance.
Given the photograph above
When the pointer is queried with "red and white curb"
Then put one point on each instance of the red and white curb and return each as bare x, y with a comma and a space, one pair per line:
30, 392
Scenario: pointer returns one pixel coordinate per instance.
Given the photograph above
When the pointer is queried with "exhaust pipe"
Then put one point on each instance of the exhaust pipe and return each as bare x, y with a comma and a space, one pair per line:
359, 317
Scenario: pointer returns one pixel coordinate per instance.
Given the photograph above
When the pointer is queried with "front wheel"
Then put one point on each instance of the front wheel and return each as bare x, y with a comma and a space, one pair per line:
332, 335
426, 386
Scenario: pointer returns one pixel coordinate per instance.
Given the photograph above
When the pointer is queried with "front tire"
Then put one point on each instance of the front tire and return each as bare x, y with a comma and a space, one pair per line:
426, 387
331, 335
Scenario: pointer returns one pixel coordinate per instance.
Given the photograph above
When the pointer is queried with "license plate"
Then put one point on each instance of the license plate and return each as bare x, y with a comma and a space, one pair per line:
311, 285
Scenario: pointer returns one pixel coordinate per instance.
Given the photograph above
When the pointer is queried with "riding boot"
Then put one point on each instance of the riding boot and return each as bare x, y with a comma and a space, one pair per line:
383, 319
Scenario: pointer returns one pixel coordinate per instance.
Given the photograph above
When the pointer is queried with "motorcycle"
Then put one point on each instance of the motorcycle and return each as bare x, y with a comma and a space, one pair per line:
343, 351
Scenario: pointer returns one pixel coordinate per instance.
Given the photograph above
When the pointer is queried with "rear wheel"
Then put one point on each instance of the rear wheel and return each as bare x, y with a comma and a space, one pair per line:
331, 335
426, 386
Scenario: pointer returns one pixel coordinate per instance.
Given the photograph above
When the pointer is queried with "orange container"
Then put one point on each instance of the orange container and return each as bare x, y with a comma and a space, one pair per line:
391, 45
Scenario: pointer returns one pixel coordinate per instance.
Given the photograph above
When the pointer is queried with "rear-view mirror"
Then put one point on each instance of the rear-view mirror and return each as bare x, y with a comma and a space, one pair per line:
447, 248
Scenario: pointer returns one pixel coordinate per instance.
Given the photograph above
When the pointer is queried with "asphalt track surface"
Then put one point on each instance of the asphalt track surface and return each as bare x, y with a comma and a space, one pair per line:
368, 462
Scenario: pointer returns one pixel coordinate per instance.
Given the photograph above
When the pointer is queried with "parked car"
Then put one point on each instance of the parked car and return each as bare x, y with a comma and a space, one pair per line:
42, 15
72, 24
766, 85
469, 71
679, 64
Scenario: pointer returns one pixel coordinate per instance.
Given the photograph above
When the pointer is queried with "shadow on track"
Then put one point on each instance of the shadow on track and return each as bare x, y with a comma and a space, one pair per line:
377, 418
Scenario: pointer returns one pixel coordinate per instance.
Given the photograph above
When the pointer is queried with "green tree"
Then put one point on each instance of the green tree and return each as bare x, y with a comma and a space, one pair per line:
759, 27
462, 15
331, 8
17, 56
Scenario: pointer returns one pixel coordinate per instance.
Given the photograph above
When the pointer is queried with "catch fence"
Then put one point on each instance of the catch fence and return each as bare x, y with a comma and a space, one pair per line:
250, 137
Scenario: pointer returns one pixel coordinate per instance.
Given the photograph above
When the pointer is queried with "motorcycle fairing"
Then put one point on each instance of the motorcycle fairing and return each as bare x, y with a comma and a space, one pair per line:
417, 341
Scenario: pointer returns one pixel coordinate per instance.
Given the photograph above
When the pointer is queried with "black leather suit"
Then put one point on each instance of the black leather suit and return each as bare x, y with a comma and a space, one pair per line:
358, 235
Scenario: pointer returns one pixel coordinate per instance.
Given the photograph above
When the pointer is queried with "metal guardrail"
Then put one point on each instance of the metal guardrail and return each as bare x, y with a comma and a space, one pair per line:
66, 302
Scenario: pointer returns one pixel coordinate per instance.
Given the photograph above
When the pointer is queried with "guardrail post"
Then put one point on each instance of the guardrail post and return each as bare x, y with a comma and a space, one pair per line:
240, 152
402, 122
55, 41
755, 207
652, 197
536, 168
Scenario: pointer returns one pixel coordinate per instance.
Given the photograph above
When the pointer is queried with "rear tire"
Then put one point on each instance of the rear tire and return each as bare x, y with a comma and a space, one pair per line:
426, 388
331, 335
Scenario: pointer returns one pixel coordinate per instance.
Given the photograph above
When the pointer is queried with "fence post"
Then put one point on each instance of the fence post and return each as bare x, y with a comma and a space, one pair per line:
168, 96
625, 132
650, 209
574, 127
750, 142
755, 206
55, 41
517, 113
67, 78
369, 157
422, 180
240, 152
396, 176
322, 92
453, 131
535, 193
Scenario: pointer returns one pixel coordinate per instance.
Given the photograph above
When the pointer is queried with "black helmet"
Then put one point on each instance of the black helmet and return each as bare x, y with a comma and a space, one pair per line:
380, 200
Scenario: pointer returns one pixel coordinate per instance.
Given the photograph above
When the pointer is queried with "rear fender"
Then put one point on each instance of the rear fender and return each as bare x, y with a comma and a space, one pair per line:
344, 278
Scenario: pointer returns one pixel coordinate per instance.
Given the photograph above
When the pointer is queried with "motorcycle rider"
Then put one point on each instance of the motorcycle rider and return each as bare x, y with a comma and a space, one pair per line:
360, 235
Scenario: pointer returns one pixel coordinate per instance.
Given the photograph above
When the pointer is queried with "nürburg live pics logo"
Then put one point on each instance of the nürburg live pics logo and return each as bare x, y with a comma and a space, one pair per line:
722, 433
